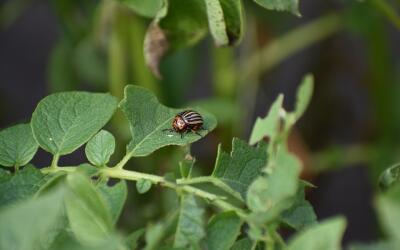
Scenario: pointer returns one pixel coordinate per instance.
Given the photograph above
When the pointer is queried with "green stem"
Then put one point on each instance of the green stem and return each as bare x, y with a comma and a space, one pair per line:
155, 179
212, 180
388, 11
123, 161
54, 162
281, 48
16, 167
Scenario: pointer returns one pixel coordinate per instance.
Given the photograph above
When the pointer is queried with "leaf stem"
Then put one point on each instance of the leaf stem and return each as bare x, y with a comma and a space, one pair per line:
155, 179
212, 180
16, 167
54, 162
123, 161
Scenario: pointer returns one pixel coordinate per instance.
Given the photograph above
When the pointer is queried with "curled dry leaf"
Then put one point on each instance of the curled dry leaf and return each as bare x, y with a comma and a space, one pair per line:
155, 46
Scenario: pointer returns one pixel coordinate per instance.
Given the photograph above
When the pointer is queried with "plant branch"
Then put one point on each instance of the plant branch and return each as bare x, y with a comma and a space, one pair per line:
155, 179
212, 180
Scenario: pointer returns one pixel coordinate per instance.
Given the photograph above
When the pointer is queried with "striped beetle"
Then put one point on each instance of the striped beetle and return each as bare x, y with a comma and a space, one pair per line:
187, 121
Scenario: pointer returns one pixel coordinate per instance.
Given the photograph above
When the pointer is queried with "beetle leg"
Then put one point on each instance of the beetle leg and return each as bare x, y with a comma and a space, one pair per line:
168, 129
181, 135
197, 133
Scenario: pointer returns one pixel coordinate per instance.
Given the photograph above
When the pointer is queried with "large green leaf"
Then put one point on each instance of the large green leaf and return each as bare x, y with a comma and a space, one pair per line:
222, 231
242, 166
268, 126
268, 195
28, 224
327, 235
17, 145
115, 197
301, 213
281, 5
99, 149
62, 122
190, 228
148, 119
22, 185
148, 8
88, 215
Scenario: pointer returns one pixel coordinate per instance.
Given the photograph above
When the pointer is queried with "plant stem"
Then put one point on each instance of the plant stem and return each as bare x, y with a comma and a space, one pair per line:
54, 162
288, 44
16, 167
123, 161
212, 180
155, 179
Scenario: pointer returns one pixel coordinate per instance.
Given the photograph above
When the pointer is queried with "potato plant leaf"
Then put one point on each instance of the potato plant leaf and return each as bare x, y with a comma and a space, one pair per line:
270, 194
389, 177
114, 197
304, 94
301, 213
268, 126
89, 218
222, 231
244, 244
148, 8
327, 235
143, 186
148, 119
388, 207
21, 185
27, 224
99, 149
242, 166
281, 5
17, 145
62, 122
190, 227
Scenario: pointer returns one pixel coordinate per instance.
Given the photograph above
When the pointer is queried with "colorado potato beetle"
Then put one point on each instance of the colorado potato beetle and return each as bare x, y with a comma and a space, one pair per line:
187, 121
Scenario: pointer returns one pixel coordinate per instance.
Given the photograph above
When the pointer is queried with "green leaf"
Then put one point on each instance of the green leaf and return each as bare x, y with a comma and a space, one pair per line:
389, 177
281, 5
233, 15
327, 235
388, 207
99, 149
155, 233
190, 228
216, 22
304, 94
27, 224
148, 118
176, 25
87, 212
301, 213
268, 195
143, 186
148, 8
222, 231
244, 244
115, 197
372, 246
268, 126
22, 185
17, 145
4, 176
133, 238
242, 166
62, 122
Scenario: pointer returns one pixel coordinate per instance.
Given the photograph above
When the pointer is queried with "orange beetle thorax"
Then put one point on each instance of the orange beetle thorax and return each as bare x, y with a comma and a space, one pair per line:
179, 124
